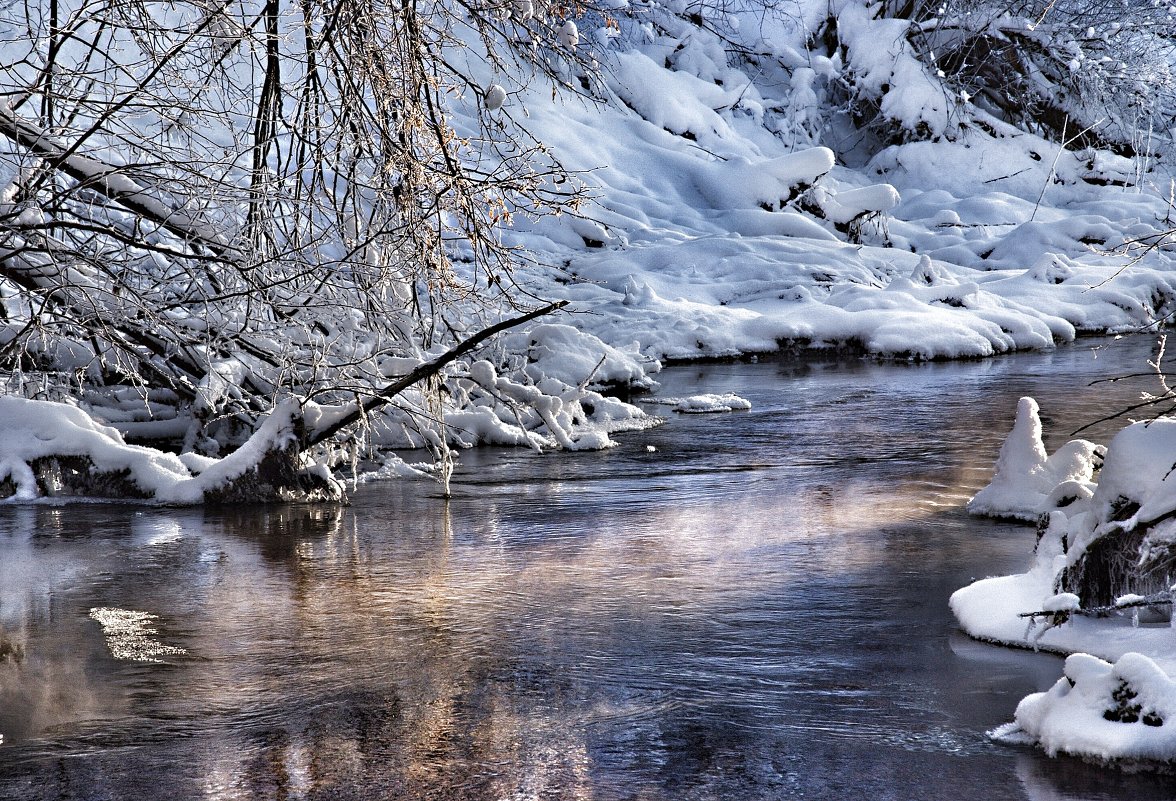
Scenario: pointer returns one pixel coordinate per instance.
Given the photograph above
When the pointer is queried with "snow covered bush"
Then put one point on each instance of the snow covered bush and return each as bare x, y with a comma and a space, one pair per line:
208, 208
1077, 71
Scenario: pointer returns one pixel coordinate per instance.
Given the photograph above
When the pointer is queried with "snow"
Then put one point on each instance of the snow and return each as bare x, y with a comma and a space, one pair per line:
718, 224
728, 210
31, 430
1105, 711
1115, 701
494, 97
128, 635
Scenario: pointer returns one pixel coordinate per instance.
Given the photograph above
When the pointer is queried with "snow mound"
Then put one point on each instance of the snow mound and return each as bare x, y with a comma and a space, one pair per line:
1028, 482
562, 352
1103, 711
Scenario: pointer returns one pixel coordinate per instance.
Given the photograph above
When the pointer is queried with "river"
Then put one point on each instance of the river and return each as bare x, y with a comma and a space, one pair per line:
750, 605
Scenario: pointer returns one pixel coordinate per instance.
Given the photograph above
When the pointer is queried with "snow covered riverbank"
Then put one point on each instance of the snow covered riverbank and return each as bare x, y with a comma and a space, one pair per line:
1100, 587
720, 223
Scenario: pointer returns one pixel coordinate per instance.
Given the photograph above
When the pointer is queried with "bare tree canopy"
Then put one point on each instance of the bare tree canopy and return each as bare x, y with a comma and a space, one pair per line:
222, 202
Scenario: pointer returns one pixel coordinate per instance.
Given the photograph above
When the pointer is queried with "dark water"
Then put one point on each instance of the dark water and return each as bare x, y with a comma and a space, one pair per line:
756, 609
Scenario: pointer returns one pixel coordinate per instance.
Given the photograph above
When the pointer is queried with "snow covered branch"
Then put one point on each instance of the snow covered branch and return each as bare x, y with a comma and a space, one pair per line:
423, 371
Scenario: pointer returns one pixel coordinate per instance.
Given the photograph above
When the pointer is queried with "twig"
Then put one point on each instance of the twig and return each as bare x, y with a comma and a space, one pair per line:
1161, 598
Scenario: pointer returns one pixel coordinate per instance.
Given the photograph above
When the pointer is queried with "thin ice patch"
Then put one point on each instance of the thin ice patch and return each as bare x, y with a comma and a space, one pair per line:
128, 635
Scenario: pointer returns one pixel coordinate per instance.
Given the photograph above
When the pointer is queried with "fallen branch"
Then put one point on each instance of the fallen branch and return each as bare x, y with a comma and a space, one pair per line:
384, 396
1156, 599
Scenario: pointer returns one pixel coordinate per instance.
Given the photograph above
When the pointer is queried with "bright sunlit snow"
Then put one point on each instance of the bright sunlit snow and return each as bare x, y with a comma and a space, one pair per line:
1120, 708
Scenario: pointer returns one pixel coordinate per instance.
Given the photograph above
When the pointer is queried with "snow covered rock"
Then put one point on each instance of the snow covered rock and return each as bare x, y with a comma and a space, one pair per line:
1028, 482
1103, 711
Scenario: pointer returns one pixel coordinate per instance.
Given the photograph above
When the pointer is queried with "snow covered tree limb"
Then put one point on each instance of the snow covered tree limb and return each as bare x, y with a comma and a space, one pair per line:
423, 371
111, 182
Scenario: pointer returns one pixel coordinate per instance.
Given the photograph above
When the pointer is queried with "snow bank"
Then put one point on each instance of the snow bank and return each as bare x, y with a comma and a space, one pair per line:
32, 430
1099, 587
733, 204
36, 435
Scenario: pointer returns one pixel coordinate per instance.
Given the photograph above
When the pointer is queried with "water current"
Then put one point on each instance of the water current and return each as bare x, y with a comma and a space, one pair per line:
750, 605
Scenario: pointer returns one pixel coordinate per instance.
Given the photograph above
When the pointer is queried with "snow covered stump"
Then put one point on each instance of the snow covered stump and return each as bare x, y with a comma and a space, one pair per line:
1028, 482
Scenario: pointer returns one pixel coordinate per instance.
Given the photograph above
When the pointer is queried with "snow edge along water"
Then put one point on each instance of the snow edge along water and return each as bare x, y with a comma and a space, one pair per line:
1115, 702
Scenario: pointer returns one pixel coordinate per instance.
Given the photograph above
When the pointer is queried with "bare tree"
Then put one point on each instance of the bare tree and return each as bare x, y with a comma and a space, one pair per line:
207, 204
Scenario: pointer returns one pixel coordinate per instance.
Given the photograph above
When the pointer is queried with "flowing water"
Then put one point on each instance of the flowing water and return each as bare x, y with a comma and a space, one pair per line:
742, 606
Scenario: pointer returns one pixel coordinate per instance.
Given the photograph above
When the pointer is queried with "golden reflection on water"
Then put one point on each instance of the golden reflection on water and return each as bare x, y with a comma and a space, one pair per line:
513, 643
440, 634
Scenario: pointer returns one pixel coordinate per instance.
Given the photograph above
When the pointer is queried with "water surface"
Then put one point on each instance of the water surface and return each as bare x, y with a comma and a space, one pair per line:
743, 606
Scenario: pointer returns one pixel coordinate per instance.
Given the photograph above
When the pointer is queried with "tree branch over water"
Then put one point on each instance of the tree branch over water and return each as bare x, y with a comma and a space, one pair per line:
423, 371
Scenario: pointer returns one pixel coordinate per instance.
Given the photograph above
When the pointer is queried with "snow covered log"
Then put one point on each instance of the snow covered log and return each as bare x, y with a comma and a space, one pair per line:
56, 450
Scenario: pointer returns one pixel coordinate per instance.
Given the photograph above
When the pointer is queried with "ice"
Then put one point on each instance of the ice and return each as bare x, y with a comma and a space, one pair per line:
705, 404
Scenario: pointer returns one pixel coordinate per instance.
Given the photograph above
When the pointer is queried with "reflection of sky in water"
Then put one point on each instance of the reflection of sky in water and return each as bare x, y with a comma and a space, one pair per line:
756, 609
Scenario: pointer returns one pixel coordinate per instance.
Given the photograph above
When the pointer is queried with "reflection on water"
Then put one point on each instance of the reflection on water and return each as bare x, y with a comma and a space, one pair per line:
754, 609
128, 635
